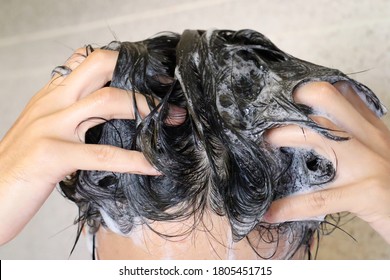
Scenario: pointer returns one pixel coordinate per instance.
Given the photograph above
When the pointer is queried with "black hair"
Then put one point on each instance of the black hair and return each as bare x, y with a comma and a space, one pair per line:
232, 86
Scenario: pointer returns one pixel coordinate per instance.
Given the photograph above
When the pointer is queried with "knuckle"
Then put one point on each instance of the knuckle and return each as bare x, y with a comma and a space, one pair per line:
105, 60
103, 153
76, 58
326, 92
315, 93
103, 96
324, 86
100, 56
318, 200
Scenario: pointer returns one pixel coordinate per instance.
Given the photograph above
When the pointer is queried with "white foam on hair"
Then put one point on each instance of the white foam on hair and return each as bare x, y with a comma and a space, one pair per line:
230, 246
89, 241
111, 224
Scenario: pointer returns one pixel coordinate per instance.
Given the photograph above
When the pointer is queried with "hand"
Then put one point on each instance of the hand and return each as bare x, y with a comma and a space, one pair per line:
46, 142
362, 182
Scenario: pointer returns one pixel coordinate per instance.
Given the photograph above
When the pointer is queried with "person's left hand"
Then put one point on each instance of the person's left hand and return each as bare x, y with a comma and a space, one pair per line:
362, 182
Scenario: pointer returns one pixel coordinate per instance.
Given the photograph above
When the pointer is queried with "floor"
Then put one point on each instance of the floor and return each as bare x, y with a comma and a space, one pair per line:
37, 35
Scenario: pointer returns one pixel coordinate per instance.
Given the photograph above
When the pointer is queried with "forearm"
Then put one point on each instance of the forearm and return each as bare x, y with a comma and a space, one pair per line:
19, 202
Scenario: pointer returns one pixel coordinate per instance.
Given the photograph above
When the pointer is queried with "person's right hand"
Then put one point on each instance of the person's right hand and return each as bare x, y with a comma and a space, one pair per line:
362, 182
46, 142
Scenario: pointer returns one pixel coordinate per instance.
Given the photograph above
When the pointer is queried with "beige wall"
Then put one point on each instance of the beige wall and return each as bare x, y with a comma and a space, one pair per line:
37, 35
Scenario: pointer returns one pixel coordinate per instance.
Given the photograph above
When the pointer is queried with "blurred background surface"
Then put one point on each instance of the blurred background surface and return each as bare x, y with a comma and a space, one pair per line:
37, 35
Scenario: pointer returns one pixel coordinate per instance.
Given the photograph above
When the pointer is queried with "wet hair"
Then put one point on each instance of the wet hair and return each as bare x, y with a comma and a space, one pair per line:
233, 86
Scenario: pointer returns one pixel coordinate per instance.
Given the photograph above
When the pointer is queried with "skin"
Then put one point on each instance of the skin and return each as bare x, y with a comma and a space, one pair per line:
212, 239
362, 182
48, 133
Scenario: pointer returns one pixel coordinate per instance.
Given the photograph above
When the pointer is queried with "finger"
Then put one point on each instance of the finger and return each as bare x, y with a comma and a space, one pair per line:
347, 90
342, 154
298, 137
176, 115
58, 75
92, 74
105, 104
327, 101
110, 103
80, 156
312, 205
70, 64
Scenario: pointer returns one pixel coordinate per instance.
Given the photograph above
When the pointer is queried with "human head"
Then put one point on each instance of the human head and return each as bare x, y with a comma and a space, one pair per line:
233, 86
